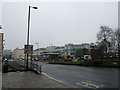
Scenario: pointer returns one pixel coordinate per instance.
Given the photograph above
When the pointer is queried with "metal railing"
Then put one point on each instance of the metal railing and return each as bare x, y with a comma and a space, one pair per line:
36, 67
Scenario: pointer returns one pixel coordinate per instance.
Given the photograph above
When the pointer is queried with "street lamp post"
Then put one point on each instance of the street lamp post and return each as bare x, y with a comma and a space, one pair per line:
28, 34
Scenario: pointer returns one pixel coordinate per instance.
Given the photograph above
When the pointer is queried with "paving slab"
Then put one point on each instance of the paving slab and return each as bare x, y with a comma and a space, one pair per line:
29, 80
0, 75
0, 80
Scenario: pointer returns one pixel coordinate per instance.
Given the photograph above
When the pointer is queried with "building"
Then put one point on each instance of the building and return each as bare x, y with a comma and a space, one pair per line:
72, 50
77, 49
39, 51
51, 52
18, 54
1, 46
50, 49
7, 53
56, 49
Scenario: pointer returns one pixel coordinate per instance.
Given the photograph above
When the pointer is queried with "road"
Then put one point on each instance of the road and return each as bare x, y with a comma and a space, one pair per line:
83, 77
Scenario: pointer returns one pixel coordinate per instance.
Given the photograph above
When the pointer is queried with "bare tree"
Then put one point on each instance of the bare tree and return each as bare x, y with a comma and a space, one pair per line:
104, 34
104, 37
117, 40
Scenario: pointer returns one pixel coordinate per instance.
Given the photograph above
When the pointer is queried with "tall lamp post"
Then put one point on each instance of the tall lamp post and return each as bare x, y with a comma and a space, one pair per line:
28, 34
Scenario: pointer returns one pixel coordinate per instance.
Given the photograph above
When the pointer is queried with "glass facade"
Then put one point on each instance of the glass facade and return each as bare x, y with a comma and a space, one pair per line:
76, 49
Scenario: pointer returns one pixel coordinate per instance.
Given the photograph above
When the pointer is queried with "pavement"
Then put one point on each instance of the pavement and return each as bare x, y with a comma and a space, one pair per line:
0, 75
30, 80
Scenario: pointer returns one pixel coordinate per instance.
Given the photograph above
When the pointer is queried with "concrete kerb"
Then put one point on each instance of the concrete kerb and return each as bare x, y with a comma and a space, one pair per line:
46, 75
35, 71
56, 79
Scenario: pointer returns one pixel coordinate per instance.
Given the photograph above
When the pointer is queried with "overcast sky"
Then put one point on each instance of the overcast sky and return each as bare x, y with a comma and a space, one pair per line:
56, 23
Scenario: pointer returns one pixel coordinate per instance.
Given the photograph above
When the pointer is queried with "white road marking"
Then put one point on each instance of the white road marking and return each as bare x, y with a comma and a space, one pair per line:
90, 84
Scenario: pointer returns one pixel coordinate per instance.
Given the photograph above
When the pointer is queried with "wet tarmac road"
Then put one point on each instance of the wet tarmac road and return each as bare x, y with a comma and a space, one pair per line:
83, 77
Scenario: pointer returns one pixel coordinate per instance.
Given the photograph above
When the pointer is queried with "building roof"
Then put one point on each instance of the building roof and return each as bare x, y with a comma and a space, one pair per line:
40, 49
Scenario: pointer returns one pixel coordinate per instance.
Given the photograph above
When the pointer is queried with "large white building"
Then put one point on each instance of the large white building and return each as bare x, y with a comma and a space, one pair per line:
18, 54
1, 46
50, 49
39, 51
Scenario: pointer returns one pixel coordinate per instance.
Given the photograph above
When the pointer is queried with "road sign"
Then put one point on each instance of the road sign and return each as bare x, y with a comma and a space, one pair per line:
25, 49
28, 49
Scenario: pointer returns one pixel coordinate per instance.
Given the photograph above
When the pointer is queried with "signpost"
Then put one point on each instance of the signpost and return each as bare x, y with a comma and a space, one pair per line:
28, 49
